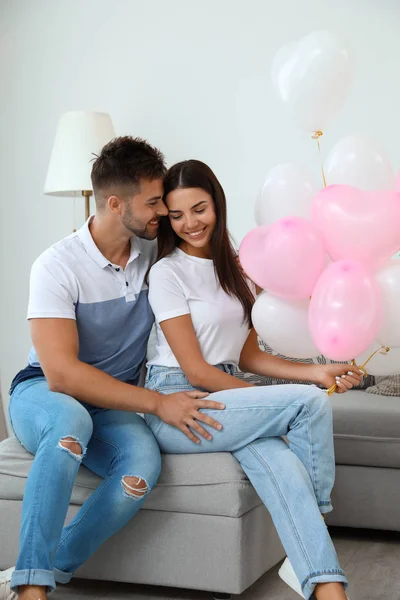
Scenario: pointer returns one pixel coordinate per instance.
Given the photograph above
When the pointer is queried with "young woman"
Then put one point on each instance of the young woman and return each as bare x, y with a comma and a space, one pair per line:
202, 304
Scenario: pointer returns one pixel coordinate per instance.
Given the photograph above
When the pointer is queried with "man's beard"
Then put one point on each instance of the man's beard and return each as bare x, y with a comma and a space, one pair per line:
144, 234
137, 229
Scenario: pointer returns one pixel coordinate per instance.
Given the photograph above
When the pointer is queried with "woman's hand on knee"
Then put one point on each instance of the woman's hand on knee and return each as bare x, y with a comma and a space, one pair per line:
182, 410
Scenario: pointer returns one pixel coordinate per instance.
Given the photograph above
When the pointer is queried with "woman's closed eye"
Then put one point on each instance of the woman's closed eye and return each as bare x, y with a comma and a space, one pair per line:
176, 217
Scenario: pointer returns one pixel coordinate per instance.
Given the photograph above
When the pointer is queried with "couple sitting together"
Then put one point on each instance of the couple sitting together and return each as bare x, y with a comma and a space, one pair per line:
93, 300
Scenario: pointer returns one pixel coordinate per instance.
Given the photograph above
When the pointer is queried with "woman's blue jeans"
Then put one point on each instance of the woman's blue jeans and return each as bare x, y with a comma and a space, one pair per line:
293, 480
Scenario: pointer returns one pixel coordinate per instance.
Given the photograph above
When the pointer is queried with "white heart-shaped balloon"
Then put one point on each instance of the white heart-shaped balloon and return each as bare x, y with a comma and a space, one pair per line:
359, 161
312, 77
288, 190
283, 325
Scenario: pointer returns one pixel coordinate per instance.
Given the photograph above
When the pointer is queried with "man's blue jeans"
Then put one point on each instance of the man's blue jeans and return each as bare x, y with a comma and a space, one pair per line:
115, 445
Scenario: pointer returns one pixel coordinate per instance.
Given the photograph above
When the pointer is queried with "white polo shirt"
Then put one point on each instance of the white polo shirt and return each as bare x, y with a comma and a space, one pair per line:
73, 280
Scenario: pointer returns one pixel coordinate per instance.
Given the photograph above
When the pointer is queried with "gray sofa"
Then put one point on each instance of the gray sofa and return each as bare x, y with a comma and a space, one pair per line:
204, 527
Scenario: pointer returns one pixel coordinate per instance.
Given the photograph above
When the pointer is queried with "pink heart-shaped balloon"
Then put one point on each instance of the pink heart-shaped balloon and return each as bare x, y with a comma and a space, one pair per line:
358, 225
345, 311
285, 258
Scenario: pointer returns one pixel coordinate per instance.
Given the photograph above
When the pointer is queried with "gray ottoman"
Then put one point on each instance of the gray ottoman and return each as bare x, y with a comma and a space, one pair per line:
204, 527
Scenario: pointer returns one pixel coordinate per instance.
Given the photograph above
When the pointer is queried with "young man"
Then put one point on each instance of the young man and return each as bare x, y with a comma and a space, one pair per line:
76, 402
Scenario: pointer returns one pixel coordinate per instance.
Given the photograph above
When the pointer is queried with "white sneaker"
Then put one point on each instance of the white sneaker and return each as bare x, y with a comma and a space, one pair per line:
6, 592
288, 575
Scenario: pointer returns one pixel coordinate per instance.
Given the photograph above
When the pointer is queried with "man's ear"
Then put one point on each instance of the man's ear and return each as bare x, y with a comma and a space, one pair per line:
114, 204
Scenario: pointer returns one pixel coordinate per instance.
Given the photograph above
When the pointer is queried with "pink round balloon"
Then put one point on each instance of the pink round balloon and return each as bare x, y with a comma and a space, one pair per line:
345, 312
356, 224
285, 258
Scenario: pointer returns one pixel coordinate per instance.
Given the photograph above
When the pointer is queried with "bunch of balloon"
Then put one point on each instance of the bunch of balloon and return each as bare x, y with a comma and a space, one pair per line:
324, 256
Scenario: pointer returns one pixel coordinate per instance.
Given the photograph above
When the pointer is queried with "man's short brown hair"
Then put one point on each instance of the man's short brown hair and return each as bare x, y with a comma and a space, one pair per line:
121, 165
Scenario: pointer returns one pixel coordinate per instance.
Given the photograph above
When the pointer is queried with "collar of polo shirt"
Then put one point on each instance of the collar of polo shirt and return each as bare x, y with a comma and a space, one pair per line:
93, 251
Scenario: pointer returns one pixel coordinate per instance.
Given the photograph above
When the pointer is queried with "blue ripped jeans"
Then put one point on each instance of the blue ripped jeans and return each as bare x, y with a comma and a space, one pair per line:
294, 481
115, 445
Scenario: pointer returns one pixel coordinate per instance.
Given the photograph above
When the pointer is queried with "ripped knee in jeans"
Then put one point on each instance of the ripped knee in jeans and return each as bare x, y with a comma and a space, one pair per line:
73, 447
134, 487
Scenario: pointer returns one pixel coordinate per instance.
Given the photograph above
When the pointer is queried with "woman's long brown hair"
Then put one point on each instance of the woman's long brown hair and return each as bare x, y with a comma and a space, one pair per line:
196, 174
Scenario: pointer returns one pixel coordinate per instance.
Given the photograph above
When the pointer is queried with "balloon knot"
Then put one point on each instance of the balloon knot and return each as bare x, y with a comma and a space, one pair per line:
317, 134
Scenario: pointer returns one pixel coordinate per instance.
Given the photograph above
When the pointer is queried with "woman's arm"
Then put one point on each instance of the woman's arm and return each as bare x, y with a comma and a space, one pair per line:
254, 360
182, 339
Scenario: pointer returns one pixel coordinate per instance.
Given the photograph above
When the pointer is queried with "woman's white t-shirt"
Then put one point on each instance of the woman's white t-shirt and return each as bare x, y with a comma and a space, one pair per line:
181, 284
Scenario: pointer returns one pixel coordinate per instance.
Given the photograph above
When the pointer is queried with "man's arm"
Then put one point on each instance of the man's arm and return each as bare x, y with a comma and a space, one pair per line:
57, 346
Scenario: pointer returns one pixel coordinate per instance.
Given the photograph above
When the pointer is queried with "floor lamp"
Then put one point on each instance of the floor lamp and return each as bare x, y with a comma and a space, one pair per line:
80, 135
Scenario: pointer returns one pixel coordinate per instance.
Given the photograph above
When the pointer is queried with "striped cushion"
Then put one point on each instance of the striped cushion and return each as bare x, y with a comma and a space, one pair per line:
389, 385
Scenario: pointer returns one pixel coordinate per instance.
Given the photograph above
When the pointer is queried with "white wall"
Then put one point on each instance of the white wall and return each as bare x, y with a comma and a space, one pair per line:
190, 76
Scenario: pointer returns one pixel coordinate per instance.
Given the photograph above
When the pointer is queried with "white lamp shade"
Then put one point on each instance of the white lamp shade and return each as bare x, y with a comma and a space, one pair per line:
79, 136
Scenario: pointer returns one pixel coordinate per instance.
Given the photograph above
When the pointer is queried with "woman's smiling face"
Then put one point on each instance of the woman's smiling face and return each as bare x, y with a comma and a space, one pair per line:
192, 216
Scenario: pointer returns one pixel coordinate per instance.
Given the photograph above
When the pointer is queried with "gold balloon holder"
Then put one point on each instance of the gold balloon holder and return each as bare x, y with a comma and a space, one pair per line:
362, 368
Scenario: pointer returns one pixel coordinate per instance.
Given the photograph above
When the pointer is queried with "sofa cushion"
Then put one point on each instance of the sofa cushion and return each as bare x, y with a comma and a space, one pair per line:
195, 483
367, 429
388, 385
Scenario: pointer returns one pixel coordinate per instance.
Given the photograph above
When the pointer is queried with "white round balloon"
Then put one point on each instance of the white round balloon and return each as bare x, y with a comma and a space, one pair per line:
312, 77
283, 325
382, 363
359, 161
288, 190
388, 279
